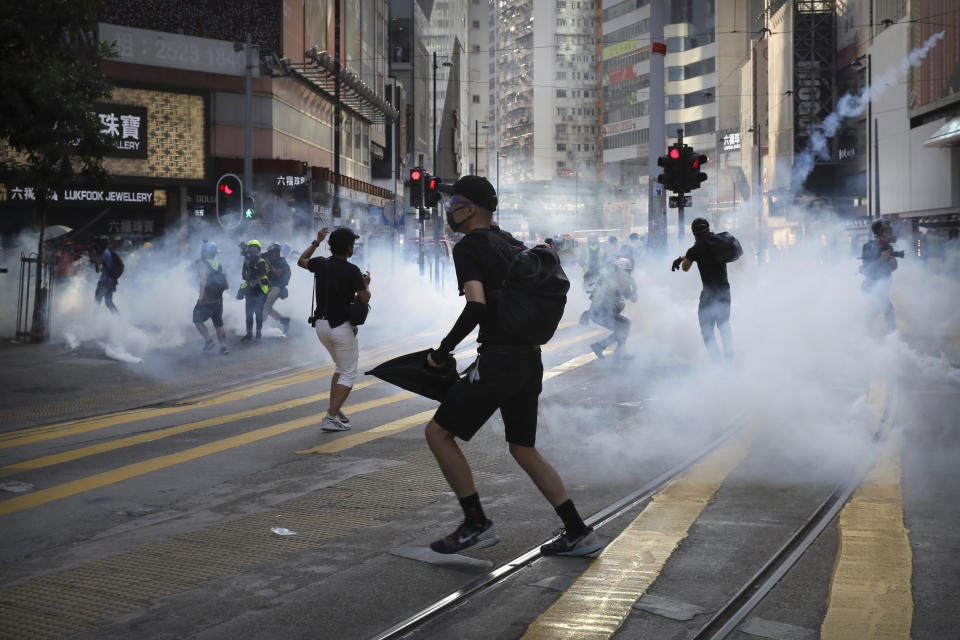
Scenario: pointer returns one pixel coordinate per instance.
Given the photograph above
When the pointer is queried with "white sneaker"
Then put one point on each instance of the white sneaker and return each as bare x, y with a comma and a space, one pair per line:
333, 424
342, 417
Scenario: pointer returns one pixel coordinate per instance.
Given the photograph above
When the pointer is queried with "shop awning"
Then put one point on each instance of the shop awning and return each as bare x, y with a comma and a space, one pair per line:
946, 136
355, 96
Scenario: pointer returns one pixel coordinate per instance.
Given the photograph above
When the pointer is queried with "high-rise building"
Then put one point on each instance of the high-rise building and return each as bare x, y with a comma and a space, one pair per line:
545, 107
479, 57
706, 45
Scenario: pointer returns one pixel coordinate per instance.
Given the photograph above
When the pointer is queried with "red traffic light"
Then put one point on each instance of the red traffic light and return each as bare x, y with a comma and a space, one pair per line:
226, 189
432, 184
415, 175
674, 153
696, 163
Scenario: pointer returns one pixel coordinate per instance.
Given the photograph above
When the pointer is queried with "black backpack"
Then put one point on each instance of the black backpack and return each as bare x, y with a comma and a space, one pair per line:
216, 281
534, 294
115, 270
724, 246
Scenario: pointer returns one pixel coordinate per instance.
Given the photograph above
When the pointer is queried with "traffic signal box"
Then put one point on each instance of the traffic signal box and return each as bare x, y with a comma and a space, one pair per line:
416, 188
230, 202
681, 169
431, 196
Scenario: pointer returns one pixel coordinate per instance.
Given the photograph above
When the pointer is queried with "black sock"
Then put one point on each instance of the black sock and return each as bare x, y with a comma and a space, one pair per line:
472, 510
571, 519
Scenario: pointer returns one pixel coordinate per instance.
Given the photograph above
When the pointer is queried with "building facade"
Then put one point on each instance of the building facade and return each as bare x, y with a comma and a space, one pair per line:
180, 72
545, 109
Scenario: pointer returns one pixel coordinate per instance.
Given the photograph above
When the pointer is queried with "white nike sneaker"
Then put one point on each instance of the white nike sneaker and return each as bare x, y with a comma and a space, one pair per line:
333, 424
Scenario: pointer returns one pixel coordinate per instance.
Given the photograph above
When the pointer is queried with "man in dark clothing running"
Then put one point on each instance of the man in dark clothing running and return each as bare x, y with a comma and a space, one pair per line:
508, 376
102, 259
879, 263
714, 309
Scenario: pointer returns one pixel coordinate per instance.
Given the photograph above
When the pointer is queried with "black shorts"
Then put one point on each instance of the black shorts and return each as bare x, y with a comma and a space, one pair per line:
209, 310
510, 382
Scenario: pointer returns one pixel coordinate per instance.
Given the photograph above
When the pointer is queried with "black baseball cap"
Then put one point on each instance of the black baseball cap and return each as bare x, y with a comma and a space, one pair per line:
477, 189
341, 239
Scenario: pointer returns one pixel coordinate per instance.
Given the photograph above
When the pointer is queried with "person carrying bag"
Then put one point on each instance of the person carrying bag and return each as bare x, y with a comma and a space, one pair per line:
343, 299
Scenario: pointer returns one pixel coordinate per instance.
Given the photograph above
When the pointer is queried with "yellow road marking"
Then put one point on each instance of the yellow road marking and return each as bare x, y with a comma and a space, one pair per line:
354, 439
150, 436
130, 471
596, 604
49, 432
162, 462
870, 593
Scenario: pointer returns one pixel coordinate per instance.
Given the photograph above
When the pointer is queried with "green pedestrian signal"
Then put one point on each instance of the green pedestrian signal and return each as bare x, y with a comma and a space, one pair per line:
249, 207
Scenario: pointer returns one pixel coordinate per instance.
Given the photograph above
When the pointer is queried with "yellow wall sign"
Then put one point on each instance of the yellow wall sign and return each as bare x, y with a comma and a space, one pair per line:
621, 48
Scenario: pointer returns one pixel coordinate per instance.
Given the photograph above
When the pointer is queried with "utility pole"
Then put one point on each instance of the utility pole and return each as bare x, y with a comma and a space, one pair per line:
337, 114
656, 196
248, 127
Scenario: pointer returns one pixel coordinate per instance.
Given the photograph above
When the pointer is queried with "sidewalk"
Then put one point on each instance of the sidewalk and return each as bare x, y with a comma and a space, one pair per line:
43, 383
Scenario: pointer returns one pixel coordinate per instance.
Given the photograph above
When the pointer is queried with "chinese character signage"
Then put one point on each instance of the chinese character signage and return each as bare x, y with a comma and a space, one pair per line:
731, 141
127, 127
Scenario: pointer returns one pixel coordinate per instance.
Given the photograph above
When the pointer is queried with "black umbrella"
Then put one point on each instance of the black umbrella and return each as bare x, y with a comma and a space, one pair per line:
411, 372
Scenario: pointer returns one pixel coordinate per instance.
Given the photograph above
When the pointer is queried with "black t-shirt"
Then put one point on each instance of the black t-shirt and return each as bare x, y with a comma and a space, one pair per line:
713, 272
346, 277
475, 259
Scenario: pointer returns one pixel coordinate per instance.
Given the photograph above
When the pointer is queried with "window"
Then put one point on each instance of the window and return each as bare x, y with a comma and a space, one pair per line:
561, 75
476, 48
561, 93
561, 129
476, 99
476, 24
561, 146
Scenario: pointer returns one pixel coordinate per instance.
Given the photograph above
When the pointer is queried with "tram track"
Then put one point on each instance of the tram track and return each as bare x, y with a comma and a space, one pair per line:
730, 615
636, 499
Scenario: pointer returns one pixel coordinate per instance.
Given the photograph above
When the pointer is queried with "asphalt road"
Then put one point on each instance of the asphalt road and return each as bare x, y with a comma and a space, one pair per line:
167, 520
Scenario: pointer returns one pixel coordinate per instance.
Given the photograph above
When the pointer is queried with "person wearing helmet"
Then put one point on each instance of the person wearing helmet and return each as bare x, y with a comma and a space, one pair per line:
254, 288
278, 275
607, 302
213, 282
714, 309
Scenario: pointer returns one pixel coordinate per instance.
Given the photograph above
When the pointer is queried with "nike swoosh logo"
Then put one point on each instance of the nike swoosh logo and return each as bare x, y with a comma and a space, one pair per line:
466, 539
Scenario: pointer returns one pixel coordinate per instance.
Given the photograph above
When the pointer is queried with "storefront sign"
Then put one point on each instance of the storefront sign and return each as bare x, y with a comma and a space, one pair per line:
88, 197
290, 181
731, 141
127, 127
620, 127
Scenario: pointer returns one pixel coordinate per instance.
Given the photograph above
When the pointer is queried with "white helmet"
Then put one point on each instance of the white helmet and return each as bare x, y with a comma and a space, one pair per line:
624, 264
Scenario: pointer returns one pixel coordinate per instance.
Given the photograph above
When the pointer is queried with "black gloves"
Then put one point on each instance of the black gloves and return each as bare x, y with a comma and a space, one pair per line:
439, 357
676, 264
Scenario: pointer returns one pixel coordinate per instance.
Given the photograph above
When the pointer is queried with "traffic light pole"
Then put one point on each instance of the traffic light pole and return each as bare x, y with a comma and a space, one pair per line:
248, 130
337, 114
656, 194
681, 196
420, 212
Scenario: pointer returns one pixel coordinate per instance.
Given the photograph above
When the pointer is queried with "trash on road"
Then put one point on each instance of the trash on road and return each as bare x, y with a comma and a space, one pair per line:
280, 531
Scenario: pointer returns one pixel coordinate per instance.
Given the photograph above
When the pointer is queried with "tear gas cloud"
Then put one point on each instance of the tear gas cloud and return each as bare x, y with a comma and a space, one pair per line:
807, 345
158, 290
852, 106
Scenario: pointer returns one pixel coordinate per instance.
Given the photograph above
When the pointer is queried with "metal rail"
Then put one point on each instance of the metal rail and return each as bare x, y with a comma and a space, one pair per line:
730, 615
598, 519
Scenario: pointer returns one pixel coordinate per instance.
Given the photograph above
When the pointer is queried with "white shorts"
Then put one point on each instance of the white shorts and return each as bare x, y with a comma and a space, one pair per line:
343, 347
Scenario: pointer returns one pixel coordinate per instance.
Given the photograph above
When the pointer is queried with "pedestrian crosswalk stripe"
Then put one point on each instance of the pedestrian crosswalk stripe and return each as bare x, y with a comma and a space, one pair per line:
596, 604
106, 478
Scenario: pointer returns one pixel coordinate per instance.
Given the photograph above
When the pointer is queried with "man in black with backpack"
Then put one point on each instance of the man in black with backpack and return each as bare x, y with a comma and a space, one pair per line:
213, 282
508, 376
110, 267
712, 252
278, 275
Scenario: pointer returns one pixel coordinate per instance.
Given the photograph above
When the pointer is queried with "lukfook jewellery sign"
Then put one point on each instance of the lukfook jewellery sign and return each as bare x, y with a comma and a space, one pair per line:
127, 127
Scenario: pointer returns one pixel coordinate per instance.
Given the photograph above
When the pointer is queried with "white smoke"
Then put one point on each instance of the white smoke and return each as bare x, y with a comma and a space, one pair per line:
851, 106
